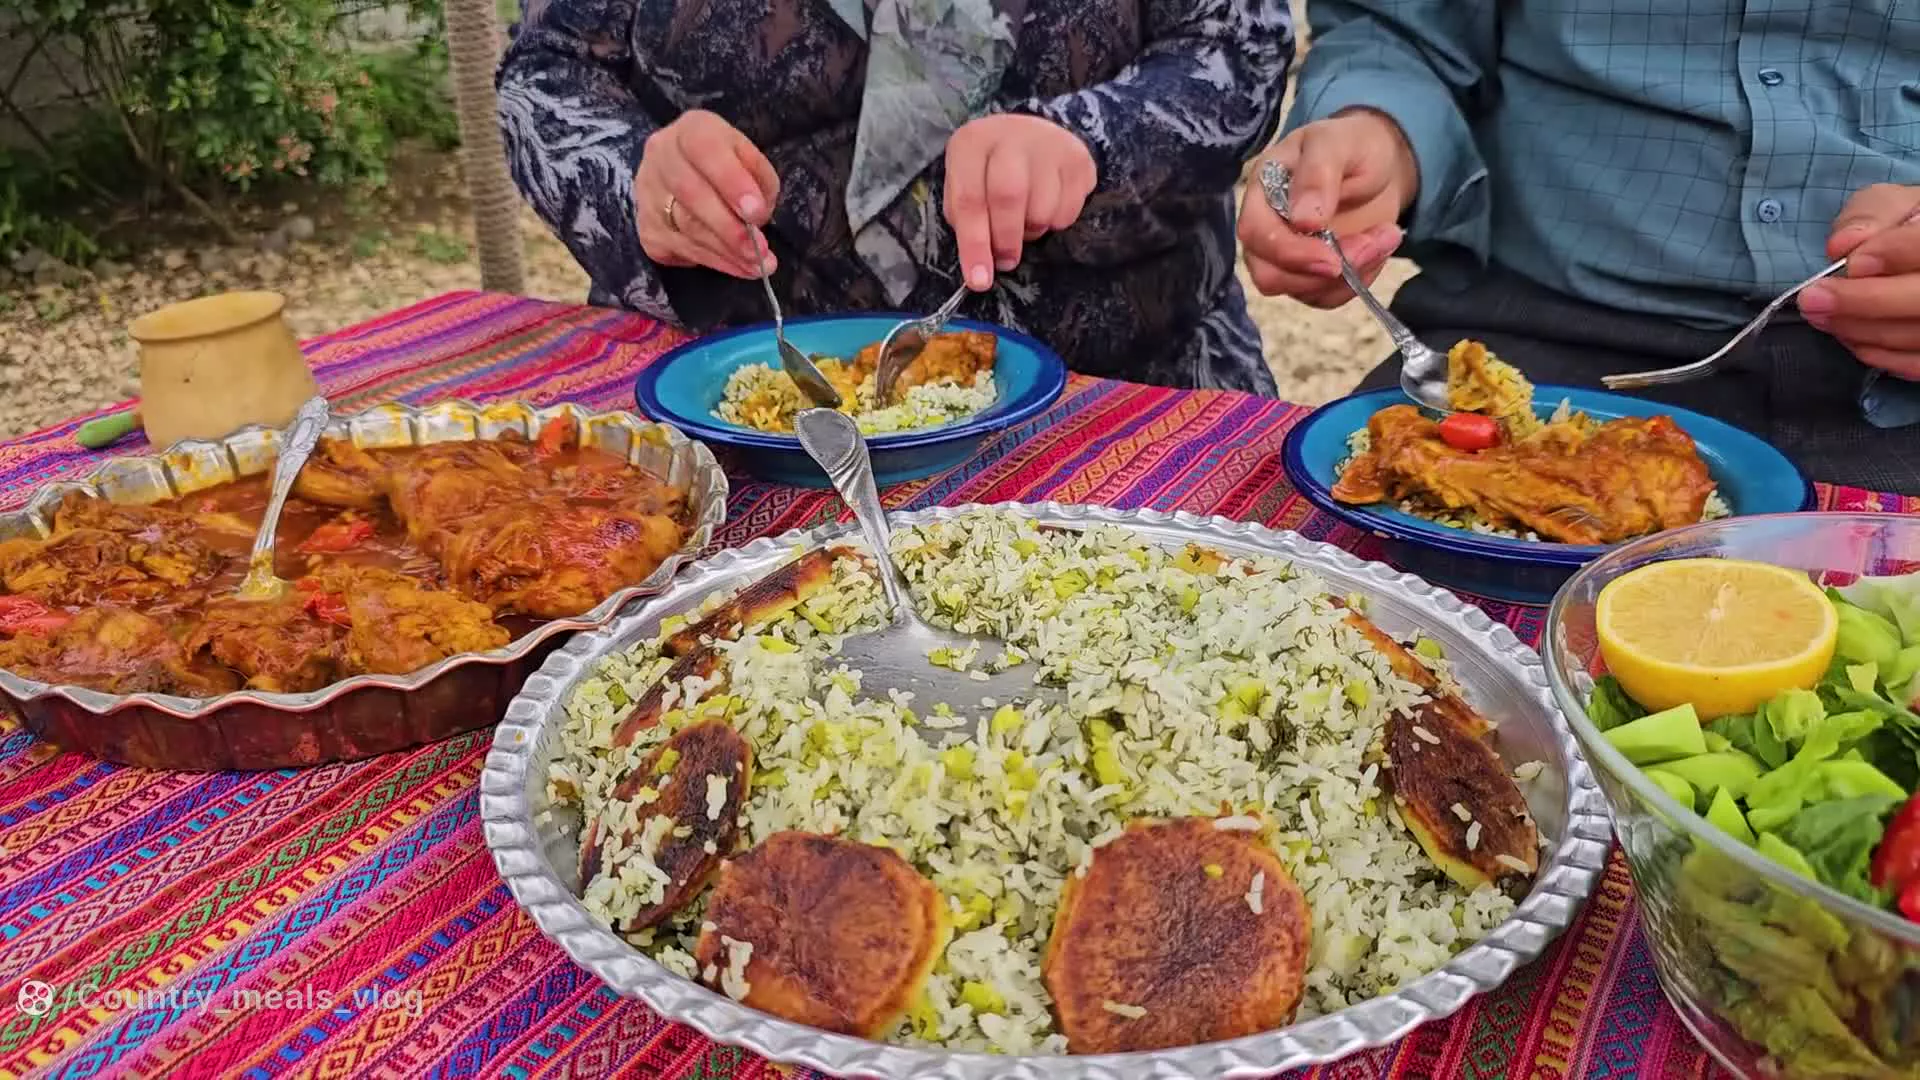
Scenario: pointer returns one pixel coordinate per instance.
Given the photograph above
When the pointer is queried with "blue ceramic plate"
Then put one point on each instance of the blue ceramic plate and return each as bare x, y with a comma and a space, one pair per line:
683, 387
1753, 477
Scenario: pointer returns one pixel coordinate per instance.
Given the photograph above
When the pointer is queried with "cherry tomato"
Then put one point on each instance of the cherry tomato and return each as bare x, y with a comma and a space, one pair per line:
329, 607
22, 615
1470, 431
1909, 902
336, 536
1896, 862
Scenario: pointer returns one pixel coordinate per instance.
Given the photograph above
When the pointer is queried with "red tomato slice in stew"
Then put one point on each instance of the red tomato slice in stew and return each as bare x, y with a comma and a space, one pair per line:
1470, 431
329, 607
336, 536
24, 615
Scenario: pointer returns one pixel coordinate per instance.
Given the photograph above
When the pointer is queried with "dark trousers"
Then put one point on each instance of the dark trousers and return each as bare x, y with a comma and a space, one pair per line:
1791, 385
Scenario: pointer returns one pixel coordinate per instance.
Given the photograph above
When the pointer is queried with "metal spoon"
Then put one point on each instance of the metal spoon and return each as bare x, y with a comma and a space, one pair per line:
1423, 371
296, 445
896, 656
794, 362
905, 341
1701, 368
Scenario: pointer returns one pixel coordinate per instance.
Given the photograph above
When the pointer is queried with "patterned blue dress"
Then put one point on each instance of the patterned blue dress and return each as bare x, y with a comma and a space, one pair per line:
1172, 96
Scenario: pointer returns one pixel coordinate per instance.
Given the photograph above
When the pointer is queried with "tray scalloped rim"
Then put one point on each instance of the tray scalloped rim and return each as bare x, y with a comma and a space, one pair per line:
707, 488
1562, 886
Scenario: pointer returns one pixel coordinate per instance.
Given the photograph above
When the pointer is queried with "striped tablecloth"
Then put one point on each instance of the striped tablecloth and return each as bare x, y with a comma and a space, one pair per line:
347, 920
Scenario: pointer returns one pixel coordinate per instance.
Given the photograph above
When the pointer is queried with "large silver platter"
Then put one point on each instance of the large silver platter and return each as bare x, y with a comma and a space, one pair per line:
1501, 675
365, 714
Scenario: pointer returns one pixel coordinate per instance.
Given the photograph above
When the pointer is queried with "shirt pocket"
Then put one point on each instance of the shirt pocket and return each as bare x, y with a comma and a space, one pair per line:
1890, 116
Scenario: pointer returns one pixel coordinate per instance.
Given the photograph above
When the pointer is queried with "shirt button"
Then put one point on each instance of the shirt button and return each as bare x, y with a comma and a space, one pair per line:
1769, 210
1771, 76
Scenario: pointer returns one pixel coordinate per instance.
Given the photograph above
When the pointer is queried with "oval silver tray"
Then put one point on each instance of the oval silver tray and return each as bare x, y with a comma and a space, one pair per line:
1501, 675
366, 714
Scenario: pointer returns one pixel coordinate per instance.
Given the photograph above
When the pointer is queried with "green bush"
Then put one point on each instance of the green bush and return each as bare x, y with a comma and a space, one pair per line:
202, 95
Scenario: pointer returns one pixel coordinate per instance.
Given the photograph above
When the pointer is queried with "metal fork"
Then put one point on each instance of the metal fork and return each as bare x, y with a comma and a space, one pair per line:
905, 341
1423, 371
1636, 380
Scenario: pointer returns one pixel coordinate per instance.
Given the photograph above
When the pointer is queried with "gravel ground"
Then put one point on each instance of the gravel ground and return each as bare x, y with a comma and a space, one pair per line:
64, 347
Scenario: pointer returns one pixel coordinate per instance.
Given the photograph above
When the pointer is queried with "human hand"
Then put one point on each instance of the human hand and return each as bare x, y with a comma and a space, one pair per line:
700, 186
1875, 309
1353, 172
1011, 179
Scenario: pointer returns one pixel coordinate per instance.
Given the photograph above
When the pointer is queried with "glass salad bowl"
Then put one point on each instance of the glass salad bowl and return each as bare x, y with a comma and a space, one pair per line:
1775, 973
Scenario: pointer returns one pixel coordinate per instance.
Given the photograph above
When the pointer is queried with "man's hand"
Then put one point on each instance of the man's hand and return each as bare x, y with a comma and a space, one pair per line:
1011, 179
1875, 309
700, 186
1353, 172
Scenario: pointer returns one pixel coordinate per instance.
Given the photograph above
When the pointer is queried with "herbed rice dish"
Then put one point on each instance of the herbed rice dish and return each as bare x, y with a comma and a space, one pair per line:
1495, 466
951, 379
1233, 753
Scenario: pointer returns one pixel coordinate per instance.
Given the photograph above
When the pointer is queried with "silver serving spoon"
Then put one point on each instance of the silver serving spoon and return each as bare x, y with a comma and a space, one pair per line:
794, 362
296, 445
905, 341
1423, 371
895, 657
1701, 368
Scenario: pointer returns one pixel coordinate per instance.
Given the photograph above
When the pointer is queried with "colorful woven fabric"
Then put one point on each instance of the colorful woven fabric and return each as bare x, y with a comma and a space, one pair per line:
347, 920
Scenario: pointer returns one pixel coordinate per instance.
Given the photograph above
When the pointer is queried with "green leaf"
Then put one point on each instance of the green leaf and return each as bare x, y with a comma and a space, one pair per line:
1837, 839
1752, 734
1610, 707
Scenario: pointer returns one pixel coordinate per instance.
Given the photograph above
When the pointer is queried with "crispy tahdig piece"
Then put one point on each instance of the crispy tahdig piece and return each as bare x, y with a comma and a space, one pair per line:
1449, 784
1180, 933
1439, 765
835, 934
761, 602
693, 787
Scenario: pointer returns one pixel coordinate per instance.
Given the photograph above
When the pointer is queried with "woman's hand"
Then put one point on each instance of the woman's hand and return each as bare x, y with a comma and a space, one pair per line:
1011, 179
700, 186
1875, 309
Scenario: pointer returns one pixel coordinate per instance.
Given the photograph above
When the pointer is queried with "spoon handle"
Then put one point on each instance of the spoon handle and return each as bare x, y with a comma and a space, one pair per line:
834, 442
296, 445
766, 282
1403, 338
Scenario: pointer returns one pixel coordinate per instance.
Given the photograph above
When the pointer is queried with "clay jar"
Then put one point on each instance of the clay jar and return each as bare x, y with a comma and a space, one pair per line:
211, 366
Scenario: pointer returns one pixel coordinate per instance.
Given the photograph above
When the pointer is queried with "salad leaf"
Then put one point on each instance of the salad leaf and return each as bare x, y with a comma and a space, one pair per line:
1865, 637
1753, 734
1896, 598
1609, 707
1797, 780
1850, 778
1893, 756
1793, 714
1837, 840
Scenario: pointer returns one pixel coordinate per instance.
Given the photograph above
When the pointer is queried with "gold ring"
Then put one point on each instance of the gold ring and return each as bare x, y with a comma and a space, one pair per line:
671, 204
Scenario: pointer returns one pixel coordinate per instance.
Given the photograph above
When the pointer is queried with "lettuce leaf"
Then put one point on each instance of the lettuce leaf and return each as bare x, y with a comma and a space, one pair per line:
1837, 838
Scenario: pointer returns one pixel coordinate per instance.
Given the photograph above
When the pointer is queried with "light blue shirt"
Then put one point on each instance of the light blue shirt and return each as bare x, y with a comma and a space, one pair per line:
1683, 158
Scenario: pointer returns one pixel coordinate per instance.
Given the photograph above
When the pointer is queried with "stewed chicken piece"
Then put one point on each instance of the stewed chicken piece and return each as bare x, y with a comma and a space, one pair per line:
1180, 932
115, 651
823, 931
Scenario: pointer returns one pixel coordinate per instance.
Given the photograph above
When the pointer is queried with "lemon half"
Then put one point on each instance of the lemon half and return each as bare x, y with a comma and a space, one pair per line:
1722, 634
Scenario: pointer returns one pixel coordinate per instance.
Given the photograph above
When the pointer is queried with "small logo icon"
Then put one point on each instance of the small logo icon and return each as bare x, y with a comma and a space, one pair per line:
35, 998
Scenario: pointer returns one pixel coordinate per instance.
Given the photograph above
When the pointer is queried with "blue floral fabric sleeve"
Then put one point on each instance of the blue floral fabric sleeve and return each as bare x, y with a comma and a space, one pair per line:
574, 132
1201, 98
